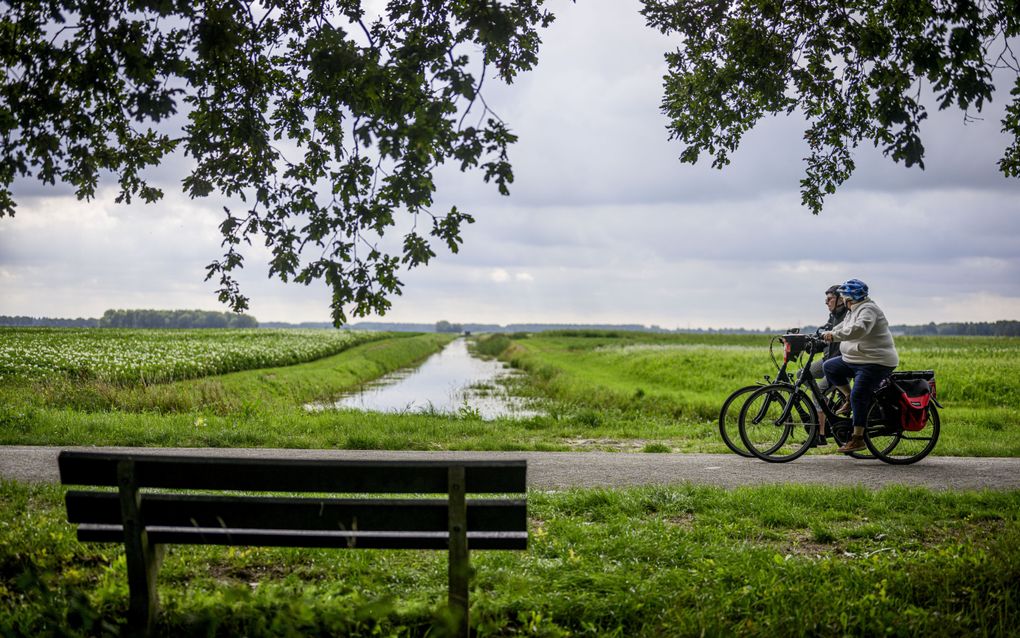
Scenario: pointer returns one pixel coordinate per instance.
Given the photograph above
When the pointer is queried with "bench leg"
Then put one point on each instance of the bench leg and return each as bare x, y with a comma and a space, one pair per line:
459, 567
142, 558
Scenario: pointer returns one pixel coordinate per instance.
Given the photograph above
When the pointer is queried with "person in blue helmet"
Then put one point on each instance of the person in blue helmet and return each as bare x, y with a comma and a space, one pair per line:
867, 355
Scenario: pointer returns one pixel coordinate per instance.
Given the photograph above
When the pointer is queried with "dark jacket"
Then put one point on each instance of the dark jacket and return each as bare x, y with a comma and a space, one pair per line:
835, 318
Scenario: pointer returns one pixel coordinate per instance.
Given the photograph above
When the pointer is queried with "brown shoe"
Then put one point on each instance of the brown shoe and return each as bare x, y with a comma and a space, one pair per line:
855, 444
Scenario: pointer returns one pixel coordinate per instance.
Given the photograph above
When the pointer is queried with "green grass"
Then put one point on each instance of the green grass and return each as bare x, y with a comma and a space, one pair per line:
661, 561
670, 387
611, 391
262, 407
684, 560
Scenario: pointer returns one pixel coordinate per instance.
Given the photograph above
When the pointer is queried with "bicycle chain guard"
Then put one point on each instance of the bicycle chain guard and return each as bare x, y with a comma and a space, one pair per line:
841, 430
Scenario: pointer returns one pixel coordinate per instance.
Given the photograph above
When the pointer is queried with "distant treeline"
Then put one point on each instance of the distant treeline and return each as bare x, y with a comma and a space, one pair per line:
47, 322
141, 319
209, 319
1005, 328
446, 326
976, 329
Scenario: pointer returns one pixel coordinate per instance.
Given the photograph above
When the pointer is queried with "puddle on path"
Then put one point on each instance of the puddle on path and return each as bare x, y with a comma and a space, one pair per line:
450, 382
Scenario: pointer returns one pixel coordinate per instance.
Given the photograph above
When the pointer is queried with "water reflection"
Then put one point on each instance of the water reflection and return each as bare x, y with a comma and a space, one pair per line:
450, 382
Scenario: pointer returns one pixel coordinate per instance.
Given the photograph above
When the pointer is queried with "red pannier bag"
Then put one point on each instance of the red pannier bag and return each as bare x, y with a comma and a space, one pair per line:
914, 390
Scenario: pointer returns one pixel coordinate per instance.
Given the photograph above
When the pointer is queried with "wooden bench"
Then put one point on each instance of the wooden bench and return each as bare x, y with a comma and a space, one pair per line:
145, 520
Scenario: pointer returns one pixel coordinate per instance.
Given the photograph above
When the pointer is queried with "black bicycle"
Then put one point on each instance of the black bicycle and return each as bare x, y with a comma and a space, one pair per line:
778, 422
793, 348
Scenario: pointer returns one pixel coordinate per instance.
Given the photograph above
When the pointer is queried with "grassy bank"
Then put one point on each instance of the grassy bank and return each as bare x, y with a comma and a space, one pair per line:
249, 408
684, 560
615, 391
620, 382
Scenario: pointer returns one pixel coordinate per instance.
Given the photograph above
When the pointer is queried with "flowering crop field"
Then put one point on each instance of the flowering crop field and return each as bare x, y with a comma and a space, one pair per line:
156, 356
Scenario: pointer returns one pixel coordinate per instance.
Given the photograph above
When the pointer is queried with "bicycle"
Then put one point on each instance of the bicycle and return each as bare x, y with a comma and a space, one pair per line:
792, 351
778, 423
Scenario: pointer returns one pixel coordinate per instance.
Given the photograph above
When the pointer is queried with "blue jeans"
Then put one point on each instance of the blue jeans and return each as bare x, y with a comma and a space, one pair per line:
866, 379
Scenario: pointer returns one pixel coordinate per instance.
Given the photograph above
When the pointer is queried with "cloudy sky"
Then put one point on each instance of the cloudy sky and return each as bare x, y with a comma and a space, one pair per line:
603, 225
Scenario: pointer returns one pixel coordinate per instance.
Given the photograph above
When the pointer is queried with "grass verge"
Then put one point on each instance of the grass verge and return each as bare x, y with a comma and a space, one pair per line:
684, 560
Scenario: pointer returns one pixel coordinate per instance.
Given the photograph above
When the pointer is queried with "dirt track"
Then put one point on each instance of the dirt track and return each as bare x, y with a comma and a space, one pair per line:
558, 470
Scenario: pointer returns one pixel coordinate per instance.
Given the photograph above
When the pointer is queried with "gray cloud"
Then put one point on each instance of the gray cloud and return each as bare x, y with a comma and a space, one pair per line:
604, 224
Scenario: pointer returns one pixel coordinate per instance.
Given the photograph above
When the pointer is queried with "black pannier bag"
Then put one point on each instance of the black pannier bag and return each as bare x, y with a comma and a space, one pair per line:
906, 396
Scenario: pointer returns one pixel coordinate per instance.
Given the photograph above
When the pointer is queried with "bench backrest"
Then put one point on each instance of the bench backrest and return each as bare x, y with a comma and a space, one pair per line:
194, 515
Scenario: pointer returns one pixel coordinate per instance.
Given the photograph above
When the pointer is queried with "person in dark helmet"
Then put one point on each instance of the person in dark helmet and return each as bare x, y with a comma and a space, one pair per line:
837, 311
867, 354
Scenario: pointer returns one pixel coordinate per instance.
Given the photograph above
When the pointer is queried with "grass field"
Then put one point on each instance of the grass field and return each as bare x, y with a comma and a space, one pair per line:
670, 561
613, 391
679, 561
653, 385
126, 356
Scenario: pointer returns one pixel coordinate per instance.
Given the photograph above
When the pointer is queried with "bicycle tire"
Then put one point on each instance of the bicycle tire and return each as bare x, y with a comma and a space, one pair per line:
725, 428
892, 444
767, 438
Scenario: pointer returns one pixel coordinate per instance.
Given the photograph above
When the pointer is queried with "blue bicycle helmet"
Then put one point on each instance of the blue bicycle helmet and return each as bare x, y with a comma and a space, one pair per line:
853, 289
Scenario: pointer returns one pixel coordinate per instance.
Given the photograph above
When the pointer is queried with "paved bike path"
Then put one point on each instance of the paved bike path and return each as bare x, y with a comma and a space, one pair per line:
559, 470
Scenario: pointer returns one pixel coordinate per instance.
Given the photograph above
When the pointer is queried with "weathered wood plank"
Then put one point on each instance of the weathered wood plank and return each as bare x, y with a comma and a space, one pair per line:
142, 556
292, 538
291, 475
458, 569
210, 510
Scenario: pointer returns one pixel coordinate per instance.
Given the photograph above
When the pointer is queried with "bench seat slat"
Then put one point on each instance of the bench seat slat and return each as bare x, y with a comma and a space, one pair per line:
211, 510
290, 475
298, 538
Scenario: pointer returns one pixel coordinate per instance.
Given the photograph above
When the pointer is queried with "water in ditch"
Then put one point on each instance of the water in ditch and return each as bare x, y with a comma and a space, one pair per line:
449, 382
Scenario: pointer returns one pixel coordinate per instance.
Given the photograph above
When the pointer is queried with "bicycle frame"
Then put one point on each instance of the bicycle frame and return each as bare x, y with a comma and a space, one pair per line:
804, 378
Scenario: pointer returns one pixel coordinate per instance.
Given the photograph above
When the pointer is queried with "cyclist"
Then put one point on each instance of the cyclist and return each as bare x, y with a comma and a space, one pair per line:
837, 311
867, 353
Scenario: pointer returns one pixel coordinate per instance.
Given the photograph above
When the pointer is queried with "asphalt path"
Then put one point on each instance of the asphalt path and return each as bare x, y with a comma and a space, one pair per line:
561, 470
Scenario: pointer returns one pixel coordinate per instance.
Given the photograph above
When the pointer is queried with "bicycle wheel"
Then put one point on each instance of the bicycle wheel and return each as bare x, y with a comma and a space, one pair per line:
729, 420
777, 425
892, 444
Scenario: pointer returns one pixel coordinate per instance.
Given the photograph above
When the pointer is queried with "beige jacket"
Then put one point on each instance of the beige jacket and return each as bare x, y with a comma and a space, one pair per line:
864, 336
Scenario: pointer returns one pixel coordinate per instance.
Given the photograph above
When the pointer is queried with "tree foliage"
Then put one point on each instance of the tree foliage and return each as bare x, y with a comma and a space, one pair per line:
446, 326
323, 121
857, 69
142, 318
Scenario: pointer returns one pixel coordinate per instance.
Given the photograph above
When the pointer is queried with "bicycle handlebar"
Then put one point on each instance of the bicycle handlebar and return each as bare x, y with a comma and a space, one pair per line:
794, 343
